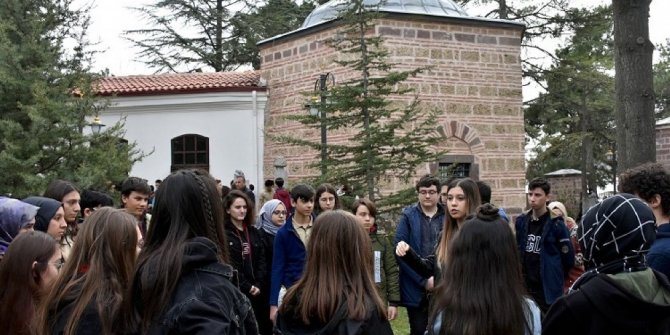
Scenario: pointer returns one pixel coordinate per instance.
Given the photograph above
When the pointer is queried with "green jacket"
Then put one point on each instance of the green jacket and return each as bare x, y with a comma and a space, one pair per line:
385, 268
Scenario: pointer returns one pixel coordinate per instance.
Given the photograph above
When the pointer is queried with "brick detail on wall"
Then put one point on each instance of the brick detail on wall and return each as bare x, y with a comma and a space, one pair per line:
474, 81
663, 145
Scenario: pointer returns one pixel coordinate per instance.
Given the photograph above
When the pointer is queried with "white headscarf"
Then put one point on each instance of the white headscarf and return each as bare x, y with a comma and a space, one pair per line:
264, 220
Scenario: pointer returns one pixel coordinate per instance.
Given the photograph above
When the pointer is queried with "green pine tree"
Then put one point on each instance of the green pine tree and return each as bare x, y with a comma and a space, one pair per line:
46, 98
391, 138
573, 122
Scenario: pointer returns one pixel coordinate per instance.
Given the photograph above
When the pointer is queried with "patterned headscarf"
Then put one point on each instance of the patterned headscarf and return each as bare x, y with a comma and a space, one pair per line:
615, 231
264, 220
14, 215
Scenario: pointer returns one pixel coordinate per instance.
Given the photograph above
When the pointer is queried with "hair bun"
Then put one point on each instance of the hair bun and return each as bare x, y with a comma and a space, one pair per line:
487, 212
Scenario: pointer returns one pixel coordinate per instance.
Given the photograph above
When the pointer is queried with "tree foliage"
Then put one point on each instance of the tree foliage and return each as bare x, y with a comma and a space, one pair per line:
573, 121
45, 98
388, 137
211, 35
274, 18
662, 81
544, 19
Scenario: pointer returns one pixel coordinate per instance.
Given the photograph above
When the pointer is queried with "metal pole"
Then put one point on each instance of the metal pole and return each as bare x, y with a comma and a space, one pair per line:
324, 151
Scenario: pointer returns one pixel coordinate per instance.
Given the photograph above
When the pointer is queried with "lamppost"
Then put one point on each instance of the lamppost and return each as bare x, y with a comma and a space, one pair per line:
96, 125
321, 88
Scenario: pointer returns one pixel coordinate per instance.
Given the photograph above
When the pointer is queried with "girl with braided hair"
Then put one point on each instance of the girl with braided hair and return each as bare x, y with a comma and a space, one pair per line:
182, 284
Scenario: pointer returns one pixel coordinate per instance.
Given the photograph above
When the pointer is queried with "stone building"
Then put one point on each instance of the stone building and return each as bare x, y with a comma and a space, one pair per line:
566, 186
475, 81
663, 142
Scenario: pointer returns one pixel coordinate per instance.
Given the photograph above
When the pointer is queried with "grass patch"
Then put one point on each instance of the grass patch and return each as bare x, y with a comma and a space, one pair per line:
401, 323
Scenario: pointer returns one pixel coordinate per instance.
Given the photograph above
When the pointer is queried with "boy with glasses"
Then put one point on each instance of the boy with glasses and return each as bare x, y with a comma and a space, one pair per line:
419, 226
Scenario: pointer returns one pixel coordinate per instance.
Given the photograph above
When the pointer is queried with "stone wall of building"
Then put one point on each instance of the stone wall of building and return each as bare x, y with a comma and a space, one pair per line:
566, 189
663, 145
475, 80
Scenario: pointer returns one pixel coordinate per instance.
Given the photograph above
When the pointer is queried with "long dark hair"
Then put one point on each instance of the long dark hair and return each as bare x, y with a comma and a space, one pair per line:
249, 219
323, 188
338, 270
187, 205
482, 289
58, 189
450, 227
20, 282
99, 269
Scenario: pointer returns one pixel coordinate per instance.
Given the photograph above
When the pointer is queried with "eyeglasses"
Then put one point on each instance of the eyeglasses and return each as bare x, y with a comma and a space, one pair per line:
279, 213
431, 192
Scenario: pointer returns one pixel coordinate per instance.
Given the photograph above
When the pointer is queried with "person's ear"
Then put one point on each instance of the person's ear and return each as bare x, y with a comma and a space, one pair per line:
34, 271
655, 201
87, 212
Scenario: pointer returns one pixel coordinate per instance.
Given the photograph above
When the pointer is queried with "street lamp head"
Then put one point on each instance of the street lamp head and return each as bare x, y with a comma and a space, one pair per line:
96, 125
314, 110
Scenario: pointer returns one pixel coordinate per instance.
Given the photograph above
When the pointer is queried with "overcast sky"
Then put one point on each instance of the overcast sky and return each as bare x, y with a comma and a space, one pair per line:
111, 17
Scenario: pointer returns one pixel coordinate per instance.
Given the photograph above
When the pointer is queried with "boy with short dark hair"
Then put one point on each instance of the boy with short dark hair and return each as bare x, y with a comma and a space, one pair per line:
544, 246
135, 193
92, 200
651, 183
288, 258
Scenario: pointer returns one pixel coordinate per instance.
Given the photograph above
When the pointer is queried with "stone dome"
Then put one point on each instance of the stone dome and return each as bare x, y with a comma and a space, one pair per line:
446, 8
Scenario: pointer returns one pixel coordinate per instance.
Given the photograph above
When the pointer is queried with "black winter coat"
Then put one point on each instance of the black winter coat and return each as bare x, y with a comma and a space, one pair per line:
205, 300
255, 272
374, 324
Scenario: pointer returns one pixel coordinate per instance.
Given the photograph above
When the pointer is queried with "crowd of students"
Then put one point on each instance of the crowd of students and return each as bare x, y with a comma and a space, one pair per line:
195, 258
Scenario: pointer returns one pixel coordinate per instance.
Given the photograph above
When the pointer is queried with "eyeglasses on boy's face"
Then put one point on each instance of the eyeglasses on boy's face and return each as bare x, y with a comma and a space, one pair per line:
279, 213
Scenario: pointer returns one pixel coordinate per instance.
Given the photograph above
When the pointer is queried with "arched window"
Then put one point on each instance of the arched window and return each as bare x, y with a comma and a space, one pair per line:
190, 151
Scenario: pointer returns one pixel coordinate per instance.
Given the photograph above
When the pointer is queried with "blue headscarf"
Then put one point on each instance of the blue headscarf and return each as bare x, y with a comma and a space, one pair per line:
264, 220
14, 215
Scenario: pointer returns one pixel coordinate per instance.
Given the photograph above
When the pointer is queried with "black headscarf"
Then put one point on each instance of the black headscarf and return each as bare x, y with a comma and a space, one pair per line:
48, 208
615, 235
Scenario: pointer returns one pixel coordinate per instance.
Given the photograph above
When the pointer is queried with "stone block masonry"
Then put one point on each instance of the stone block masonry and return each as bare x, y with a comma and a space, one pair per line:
473, 79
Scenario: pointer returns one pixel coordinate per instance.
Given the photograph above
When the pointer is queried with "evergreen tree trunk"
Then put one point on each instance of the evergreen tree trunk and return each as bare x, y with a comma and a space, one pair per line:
636, 137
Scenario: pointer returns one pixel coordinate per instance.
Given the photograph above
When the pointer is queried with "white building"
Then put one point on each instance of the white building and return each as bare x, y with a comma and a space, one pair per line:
212, 121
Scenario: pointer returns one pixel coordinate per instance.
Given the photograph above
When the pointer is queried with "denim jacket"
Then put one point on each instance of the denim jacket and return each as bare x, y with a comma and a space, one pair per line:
556, 256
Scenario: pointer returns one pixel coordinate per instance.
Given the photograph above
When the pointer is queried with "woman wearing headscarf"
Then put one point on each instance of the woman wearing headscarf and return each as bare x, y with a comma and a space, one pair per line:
618, 294
16, 216
50, 219
270, 218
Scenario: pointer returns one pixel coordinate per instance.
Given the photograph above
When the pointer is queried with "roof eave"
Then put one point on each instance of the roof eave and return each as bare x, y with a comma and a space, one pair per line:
477, 21
109, 93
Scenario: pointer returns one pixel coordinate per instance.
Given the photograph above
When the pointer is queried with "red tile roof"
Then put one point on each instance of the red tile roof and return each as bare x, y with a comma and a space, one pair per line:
180, 83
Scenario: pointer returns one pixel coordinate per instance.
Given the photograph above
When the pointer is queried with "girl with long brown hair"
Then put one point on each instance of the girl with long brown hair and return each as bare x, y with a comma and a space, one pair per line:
462, 200
87, 297
247, 255
30, 266
481, 291
336, 293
